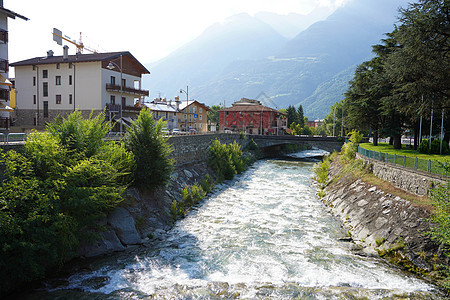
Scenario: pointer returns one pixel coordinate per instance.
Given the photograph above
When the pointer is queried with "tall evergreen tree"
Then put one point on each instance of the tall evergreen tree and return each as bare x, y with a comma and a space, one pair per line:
301, 117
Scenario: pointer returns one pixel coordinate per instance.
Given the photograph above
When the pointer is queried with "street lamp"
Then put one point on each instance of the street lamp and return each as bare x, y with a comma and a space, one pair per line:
111, 66
187, 104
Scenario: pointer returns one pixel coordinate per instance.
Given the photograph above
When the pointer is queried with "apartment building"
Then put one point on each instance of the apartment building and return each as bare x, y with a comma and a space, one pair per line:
193, 116
164, 109
53, 86
5, 85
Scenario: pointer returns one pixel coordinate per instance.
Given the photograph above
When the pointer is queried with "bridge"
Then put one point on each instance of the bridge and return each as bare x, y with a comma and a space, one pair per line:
268, 142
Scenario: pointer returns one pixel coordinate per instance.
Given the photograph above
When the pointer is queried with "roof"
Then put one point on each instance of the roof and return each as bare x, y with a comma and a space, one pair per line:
161, 106
250, 108
185, 103
12, 14
78, 58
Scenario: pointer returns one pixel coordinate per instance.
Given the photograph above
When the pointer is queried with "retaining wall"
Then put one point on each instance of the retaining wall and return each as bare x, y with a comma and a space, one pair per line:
413, 181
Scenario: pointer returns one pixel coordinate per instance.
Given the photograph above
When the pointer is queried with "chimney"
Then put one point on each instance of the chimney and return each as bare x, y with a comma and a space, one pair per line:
49, 53
177, 101
66, 52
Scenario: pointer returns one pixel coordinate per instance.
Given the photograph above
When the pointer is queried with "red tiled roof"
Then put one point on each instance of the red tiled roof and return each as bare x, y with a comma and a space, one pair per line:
249, 108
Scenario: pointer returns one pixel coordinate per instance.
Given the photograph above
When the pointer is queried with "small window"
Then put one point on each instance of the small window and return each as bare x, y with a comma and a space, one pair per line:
70, 99
57, 66
200, 117
34, 68
44, 73
124, 101
58, 99
70, 79
70, 65
45, 109
58, 80
113, 99
227, 114
45, 89
34, 80
124, 82
113, 80
34, 99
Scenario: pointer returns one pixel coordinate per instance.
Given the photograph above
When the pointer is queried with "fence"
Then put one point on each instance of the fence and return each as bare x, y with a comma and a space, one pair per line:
426, 165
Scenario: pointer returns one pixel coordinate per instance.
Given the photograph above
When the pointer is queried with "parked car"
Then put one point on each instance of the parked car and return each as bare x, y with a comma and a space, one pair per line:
176, 131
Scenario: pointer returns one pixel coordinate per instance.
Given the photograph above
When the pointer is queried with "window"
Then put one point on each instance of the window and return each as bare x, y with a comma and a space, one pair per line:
113, 80
113, 99
70, 99
44, 73
227, 114
124, 82
200, 117
58, 99
124, 101
200, 110
34, 80
45, 109
195, 109
70, 65
70, 79
34, 68
34, 99
58, 80
45, 89
57, 66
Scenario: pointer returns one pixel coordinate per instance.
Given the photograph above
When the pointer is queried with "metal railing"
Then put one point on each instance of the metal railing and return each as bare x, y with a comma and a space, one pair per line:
425, 165
7, 138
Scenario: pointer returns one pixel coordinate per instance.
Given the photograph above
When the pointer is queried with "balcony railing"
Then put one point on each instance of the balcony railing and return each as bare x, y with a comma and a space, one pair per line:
4, 65
117, 107
4, 94
126, 89
3, 36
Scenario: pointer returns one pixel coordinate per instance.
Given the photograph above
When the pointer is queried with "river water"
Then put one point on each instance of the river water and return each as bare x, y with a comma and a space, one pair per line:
265, 235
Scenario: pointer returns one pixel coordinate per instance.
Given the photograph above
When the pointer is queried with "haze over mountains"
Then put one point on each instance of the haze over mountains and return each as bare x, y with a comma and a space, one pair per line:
248, 55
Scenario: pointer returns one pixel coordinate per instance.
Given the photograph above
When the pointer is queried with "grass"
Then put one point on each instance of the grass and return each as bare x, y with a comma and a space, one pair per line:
386, 148
407, 157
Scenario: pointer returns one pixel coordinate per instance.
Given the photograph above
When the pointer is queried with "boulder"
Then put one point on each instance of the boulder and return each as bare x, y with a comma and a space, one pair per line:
124, 226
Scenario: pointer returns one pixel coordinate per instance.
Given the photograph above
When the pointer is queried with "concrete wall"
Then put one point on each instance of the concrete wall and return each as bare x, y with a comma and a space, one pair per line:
413, 181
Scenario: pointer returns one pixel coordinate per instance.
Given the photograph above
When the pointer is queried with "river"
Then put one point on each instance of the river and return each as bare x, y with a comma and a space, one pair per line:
265, 235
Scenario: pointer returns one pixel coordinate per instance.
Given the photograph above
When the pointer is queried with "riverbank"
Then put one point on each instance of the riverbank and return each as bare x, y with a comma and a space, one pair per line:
382, 222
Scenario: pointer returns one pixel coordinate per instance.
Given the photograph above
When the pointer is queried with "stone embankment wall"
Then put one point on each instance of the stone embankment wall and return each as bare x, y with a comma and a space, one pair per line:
382, 222
410, 180
188, 149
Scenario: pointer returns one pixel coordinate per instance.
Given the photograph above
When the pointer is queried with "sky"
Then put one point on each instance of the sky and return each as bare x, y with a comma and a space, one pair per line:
149, 29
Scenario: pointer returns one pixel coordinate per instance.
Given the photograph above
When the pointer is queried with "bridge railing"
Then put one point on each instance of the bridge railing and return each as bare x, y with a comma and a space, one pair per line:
6, 138
415, 163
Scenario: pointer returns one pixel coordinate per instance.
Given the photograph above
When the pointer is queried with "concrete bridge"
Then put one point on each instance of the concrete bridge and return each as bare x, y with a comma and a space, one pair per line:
267, 142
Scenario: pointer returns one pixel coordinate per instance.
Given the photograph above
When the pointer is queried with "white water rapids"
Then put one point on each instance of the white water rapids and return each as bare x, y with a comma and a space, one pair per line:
265, 235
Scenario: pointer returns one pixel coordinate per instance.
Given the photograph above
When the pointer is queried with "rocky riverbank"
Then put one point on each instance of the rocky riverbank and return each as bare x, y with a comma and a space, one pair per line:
383, 223
143, 215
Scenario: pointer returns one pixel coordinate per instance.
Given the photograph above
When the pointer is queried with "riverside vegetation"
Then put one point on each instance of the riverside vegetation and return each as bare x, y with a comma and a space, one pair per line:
53, 192
438, 202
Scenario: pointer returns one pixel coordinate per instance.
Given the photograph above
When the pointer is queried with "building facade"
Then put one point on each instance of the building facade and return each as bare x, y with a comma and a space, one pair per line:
5, 85
164, 109
250, 116
193, 116
53, 86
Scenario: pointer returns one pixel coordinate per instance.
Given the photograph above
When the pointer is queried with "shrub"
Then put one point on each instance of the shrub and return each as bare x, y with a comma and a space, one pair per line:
151, 151
424, 147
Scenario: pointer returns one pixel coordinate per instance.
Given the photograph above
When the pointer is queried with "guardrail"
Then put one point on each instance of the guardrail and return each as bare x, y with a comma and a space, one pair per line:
425, 165
7, 138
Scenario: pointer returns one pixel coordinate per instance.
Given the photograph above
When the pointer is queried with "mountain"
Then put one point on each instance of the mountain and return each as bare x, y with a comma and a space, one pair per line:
240, 37
246, 56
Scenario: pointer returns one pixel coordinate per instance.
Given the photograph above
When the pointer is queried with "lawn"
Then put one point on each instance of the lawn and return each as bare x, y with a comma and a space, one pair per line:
407, 157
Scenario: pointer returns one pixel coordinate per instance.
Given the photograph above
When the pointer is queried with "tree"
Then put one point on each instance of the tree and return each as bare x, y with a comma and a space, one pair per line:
151, 151
214, 115
292, 116
300, 114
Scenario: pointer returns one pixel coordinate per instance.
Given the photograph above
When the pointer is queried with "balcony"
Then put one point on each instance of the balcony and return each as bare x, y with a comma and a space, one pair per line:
115, 108
4, 94
3, 36
127, 90
4, 65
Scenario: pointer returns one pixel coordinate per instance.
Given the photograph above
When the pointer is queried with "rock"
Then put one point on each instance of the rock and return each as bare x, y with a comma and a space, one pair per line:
108, 242
188, 174
373, 189
124, 226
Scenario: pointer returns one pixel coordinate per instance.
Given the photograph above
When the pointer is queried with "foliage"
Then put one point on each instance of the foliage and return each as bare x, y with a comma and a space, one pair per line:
350, 148
424, 147
62, 183
213, 114
226, 160
151, 151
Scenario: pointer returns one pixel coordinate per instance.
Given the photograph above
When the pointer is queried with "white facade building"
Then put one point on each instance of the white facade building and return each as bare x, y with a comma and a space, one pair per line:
5, 85
53, 86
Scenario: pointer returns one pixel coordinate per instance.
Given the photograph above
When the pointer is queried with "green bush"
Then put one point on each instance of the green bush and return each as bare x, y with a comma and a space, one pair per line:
151, 151
424, 147
62, 183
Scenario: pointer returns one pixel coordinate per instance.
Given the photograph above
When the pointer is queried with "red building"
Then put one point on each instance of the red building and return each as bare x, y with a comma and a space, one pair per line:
250, 116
